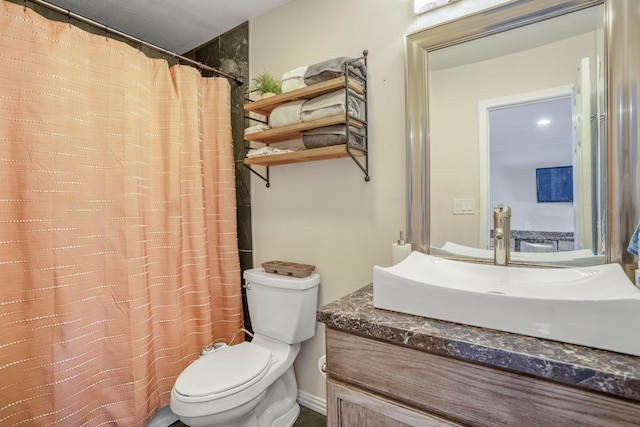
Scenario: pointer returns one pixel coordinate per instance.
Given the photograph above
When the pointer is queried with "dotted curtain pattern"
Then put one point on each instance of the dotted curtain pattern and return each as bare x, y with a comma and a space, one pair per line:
118, 247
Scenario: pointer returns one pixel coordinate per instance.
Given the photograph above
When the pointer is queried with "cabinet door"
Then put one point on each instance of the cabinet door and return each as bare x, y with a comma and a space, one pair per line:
349, 406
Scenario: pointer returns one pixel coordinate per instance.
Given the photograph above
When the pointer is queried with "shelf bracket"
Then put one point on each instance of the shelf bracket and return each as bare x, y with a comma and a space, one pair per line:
364, 168
262, 177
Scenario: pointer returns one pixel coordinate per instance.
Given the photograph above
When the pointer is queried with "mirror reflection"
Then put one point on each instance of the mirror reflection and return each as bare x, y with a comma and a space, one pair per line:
515, 119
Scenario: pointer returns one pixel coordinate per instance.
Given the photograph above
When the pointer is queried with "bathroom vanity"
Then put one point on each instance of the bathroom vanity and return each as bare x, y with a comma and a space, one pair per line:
391, 369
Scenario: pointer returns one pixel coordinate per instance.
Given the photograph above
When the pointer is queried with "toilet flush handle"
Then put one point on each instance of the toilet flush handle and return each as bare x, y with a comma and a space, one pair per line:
247, 286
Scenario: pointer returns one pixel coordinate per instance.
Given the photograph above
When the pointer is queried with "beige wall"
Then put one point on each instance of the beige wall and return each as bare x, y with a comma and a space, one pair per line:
324, 213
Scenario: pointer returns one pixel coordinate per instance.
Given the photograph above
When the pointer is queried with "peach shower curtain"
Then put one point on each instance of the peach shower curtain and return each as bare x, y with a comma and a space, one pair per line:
118, 248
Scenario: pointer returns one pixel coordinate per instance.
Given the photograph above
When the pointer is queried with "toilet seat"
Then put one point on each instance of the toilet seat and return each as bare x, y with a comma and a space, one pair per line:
225, 371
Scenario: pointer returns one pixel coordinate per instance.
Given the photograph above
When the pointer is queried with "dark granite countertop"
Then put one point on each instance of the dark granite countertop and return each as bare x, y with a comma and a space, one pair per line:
583, 367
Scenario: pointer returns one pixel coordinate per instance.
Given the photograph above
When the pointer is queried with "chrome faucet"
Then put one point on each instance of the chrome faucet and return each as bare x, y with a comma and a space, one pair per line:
501, 235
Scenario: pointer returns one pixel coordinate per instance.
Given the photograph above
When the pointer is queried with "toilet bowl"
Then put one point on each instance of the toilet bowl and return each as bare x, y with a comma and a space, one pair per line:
253, 383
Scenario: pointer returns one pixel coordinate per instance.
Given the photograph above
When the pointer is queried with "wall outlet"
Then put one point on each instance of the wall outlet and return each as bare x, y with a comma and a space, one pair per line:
464, 206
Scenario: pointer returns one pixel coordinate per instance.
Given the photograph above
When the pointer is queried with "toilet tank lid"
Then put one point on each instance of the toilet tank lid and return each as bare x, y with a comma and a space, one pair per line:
261, 277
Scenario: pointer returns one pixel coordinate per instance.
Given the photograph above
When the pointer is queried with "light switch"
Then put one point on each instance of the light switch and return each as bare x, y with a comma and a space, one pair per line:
464, 206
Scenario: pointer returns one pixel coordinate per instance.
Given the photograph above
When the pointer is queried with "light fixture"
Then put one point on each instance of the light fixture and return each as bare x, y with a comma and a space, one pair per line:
422, 6
543, 122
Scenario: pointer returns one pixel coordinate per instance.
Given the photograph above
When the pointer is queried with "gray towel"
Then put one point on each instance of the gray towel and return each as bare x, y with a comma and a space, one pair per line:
331, 104
332, 68
333, 135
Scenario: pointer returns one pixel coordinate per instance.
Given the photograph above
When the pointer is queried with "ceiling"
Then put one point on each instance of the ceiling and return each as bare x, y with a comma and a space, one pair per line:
175, 25
515, 127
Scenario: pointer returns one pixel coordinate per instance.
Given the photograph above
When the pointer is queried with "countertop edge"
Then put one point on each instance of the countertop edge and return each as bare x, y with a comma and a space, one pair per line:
583, 367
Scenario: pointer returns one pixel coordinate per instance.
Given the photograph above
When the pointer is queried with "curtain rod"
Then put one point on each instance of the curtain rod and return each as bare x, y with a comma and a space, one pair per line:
136, 40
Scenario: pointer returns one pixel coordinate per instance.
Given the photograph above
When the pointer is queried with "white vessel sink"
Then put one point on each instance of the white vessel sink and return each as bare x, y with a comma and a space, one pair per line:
594, 306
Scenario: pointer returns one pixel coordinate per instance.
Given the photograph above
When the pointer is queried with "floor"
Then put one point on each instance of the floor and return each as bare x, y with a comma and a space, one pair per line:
307, 418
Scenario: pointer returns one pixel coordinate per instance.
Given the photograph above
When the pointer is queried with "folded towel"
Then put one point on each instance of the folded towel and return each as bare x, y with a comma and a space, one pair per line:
286, 114
332, 68
267, 151
256, 128
333, 135
331, 104
634, 243
294, 79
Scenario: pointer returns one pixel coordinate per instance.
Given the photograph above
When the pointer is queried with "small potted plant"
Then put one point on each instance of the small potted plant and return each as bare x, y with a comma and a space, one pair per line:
265, 85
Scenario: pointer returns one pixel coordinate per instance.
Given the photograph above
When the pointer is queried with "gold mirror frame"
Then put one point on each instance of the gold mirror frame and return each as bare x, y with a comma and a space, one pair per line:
622, 78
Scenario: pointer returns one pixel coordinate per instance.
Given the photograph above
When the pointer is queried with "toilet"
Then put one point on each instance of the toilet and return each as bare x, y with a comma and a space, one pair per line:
253, 383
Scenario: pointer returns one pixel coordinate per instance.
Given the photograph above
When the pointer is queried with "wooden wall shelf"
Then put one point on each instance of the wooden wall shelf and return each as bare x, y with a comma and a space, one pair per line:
264, 107
310, 155
287, 133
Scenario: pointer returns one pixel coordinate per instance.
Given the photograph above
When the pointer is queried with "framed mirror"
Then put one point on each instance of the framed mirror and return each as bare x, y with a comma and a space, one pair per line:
511, 106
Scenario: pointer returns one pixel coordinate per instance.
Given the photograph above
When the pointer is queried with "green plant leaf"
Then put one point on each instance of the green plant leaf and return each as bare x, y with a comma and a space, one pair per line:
264, 83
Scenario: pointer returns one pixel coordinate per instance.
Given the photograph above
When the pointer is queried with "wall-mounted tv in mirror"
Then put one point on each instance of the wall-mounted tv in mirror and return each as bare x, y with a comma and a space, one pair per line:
554, 184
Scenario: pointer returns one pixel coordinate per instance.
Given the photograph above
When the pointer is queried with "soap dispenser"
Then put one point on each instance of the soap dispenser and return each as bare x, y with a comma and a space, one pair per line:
400, 250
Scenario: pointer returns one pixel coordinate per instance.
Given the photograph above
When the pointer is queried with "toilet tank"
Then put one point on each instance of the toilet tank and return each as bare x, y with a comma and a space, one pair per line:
282, 307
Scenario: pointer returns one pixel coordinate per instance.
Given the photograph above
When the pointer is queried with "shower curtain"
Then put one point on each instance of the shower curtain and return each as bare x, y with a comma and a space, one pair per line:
118, 247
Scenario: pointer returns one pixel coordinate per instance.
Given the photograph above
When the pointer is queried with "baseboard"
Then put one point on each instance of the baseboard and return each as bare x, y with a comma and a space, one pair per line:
312, 402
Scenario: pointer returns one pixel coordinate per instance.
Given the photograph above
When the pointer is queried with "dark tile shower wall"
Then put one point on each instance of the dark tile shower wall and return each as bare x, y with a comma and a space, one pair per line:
229, 53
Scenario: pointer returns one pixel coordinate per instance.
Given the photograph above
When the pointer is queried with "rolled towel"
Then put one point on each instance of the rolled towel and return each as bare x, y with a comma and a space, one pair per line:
332, 68
286, 114
257, 128
267, 151
333, 135
294, 79
329, 105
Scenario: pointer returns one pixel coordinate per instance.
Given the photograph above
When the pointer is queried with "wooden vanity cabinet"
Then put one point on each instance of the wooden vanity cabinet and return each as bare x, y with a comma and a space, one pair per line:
353, 406
373, 383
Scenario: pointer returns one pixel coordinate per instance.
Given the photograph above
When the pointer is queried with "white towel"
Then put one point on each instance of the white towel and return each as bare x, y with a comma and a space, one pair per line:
256, 128
267, 151
330, 104
286, 114
294, 79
